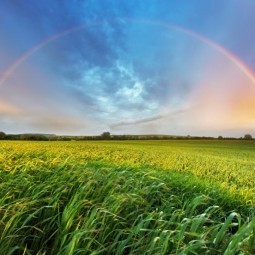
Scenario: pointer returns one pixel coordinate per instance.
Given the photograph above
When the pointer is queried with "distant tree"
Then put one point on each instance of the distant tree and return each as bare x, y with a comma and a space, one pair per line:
247, 136
2, 135
106, 135
220, 137
33, 137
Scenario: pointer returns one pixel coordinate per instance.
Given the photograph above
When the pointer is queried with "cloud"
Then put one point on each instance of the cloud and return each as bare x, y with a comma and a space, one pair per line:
56, 123
135, 122
46, 123
147, 120
8, 109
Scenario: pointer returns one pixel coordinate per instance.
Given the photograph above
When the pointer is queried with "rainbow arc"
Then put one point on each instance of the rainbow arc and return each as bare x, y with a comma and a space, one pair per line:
233, 58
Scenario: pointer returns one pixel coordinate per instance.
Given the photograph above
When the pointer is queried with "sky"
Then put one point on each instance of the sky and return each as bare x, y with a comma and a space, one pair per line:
181, 67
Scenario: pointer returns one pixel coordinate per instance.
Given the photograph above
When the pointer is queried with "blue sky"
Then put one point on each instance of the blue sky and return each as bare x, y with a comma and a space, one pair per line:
128, 67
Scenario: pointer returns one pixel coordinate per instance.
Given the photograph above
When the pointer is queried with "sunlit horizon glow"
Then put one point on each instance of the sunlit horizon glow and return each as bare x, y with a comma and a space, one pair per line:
137, 75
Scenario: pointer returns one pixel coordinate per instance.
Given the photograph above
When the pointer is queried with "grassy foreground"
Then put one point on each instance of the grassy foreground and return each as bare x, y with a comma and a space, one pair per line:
165, 197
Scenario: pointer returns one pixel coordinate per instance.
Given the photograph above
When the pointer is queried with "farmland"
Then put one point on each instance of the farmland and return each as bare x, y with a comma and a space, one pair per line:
128, 197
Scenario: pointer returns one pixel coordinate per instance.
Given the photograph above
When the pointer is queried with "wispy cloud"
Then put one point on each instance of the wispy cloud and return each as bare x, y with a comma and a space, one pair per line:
7, 109
135, 122
155, 118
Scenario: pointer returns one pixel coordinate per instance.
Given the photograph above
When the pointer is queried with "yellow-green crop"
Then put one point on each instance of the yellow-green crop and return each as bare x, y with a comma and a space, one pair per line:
132, 197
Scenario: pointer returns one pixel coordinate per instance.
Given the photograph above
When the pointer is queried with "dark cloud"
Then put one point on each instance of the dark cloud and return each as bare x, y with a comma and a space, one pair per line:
135, 122
147, 120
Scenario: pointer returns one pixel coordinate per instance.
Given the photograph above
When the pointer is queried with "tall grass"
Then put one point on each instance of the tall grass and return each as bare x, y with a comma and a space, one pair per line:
64, 208
231, 164
55, 200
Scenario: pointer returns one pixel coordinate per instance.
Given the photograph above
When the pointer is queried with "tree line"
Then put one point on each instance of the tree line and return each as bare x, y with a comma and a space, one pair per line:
109, 136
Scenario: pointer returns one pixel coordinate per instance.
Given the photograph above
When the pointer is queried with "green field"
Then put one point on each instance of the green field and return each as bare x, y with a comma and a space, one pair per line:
127, 197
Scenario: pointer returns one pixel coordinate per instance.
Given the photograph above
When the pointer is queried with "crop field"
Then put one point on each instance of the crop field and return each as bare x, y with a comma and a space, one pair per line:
127, 197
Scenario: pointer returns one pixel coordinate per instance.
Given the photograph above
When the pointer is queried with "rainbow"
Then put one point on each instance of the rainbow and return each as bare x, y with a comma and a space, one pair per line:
234, 59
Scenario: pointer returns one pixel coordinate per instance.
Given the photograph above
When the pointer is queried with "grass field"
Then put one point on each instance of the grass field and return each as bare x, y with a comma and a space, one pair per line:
128, 197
